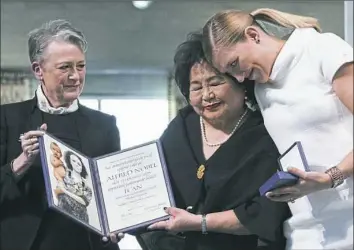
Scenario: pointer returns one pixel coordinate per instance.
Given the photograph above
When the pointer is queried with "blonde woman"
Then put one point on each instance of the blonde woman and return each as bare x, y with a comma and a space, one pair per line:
304, 88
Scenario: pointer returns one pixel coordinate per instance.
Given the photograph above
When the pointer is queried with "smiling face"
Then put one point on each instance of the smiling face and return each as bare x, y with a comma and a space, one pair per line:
214, 96
241, 62
62, 72
252, 57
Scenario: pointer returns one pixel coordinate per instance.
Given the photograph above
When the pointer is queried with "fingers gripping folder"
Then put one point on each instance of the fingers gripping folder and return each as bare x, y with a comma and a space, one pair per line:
293, 157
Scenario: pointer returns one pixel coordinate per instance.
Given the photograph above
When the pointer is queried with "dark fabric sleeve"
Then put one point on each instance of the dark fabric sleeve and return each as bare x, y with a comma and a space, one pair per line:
5, 166
113, 136
8, 180
259, 215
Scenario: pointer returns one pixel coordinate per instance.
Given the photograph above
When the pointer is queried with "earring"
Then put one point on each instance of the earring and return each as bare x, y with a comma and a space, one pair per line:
256, 39
246, 97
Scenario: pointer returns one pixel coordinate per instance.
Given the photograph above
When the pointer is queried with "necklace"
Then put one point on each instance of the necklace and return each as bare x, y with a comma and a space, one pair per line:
202, 127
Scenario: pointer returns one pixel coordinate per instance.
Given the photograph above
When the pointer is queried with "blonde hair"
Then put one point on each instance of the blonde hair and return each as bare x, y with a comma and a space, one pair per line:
227, 27
288, 20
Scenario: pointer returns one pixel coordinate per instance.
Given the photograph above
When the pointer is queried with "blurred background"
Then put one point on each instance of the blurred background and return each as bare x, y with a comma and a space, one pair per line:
130, 54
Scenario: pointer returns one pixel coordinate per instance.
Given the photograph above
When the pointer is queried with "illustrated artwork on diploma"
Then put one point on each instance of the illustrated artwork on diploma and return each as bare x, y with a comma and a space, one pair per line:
113, 193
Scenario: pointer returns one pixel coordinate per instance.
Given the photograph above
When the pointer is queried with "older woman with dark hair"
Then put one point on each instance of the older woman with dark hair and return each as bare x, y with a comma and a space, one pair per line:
57, 55
218, 154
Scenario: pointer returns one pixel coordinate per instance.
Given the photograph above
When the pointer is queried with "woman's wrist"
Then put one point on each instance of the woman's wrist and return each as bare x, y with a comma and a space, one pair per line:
196, 223
336, 176
19, 165
328, 182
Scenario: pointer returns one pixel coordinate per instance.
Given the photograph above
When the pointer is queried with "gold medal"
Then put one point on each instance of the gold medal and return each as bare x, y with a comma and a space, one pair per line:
200, 172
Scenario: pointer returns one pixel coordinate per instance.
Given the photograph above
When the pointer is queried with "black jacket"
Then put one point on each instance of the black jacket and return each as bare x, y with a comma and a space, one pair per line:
23, 206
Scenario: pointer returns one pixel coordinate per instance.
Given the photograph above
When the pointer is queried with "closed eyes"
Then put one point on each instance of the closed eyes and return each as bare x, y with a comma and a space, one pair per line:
66, 67
234, 63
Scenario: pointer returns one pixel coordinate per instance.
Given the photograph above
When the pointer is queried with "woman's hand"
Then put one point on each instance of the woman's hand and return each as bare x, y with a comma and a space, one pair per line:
115, 238
309, 182
30, 149
180, 221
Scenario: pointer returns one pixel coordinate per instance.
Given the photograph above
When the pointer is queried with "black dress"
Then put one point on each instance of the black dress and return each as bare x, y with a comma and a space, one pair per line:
231, 180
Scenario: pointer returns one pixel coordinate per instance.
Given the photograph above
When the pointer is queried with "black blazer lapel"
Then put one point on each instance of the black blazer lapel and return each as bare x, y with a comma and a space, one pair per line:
86, 133
231, 164
91, 133
35, 119
182, 163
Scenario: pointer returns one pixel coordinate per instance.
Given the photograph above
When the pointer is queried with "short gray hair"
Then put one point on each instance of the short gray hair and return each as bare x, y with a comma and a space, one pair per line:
55, 30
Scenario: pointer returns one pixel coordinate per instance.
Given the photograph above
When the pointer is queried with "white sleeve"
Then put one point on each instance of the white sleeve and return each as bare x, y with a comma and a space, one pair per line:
333, 52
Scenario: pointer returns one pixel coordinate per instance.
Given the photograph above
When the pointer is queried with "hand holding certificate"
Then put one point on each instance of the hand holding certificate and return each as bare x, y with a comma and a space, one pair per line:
110, 194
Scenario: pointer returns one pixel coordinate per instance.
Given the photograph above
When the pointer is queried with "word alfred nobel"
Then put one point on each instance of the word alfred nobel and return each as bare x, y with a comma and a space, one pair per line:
127, 176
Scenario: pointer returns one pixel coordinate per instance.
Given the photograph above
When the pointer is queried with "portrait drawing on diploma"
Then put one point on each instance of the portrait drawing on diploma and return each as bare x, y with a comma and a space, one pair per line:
70, 182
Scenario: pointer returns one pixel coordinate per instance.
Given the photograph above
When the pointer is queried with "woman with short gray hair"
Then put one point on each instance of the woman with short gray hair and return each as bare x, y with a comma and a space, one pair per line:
57, 30
57, 56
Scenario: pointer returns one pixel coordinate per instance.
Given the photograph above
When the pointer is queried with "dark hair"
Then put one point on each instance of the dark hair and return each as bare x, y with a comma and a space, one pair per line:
67, 156
187, 54
191, 52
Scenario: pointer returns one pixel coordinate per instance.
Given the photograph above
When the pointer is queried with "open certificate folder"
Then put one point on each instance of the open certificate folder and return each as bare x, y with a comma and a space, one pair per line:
113, 193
